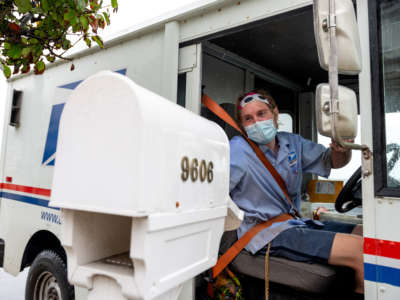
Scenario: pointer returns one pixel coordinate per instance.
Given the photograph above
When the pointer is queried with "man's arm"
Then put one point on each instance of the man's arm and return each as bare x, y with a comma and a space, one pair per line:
340, 156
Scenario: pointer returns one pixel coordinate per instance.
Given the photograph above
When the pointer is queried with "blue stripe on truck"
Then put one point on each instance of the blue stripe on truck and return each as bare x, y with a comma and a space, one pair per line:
27, 199
382, 274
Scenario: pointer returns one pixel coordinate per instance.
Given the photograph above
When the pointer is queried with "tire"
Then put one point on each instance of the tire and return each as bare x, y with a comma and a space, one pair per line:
47, 278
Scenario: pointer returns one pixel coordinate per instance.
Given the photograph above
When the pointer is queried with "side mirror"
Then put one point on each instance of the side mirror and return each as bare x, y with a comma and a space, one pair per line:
346, 127
348, 41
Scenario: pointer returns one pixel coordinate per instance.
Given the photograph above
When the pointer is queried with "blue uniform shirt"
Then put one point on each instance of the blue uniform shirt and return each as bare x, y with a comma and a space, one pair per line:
257, 193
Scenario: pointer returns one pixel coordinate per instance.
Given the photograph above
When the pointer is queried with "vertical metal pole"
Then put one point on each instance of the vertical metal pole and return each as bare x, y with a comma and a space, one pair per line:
333, 71
170, 61
334, 80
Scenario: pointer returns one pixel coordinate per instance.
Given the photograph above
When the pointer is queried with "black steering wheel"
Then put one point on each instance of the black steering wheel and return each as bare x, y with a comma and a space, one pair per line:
350, 196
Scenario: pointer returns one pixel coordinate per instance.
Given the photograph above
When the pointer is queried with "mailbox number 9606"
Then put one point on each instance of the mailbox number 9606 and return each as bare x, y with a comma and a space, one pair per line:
196, 170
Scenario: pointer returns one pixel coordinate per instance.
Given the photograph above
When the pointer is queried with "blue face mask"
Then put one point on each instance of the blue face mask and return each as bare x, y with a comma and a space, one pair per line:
262, 132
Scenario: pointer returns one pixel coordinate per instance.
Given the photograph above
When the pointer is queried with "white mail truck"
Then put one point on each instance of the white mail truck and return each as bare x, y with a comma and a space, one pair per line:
221, 48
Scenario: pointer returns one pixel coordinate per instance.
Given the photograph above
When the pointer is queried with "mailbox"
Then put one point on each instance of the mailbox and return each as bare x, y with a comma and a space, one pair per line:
143, 185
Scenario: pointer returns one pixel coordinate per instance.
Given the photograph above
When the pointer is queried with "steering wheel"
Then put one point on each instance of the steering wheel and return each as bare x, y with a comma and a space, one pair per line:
350, 196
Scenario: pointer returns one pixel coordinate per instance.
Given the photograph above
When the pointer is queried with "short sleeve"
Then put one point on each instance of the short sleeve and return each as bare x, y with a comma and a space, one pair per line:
238, 164
316, 158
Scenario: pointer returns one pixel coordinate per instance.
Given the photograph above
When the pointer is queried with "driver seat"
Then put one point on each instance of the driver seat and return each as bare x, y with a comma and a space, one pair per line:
308, 278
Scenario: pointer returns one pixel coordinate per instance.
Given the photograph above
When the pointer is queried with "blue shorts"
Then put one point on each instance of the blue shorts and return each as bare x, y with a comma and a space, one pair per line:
307, 243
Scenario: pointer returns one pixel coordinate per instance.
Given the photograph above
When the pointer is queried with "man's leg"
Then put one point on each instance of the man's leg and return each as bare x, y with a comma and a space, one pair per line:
347, 250
358, 230
336, 246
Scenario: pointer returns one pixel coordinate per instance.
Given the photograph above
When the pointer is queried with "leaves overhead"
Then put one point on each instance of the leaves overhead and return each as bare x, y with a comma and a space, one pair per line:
34, 30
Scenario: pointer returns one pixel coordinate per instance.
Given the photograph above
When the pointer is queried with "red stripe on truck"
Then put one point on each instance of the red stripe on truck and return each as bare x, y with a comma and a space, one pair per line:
26, 189
383, 248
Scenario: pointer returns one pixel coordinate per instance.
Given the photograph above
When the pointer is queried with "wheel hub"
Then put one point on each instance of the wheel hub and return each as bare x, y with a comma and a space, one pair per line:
47, 288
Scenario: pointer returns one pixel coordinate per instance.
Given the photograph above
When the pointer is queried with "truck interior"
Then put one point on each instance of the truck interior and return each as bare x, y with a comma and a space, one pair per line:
277, 54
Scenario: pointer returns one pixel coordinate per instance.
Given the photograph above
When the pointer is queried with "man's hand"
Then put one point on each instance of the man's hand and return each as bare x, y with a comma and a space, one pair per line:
340, 156
316, 213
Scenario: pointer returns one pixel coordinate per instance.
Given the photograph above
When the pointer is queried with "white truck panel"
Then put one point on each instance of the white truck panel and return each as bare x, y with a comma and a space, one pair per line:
235, 13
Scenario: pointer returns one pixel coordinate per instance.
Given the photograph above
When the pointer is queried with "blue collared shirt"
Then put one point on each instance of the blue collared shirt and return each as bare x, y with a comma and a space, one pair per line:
257, 193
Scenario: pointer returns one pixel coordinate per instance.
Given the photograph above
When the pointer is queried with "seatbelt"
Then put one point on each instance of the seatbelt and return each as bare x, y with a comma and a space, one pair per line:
223, 115
239, 245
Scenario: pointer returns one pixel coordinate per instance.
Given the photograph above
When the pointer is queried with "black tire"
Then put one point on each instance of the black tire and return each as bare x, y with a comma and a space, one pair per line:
47, 278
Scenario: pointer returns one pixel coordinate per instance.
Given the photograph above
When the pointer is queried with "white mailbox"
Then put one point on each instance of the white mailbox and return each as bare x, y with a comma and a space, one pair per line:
143, 187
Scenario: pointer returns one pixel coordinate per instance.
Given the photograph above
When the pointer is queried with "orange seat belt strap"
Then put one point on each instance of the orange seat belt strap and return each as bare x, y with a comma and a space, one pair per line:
239, 245
220, 112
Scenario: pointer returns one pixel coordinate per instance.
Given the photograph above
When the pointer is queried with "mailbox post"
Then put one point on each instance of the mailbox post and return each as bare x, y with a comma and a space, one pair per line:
143, 188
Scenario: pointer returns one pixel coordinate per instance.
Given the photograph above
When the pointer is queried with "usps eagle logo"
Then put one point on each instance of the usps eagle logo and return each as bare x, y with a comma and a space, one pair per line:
50, 149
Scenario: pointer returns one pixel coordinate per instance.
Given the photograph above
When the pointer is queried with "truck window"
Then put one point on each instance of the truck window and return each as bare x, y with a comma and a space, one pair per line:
285, 122
385, 84
390, 55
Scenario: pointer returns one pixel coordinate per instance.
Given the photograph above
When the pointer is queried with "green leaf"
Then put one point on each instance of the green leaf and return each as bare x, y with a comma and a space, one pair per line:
50, 58
40, 33
25, 68
94, 5
114, 3
54, 15
37, 49
26, 51
69, 15
7, 46
66, 44
84, 22
15, 51
98, 40
76, 28
39, 67
88, 42
81, 4
75, 21
6, 71
106, 17
24, 6
45, 5
33, 41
